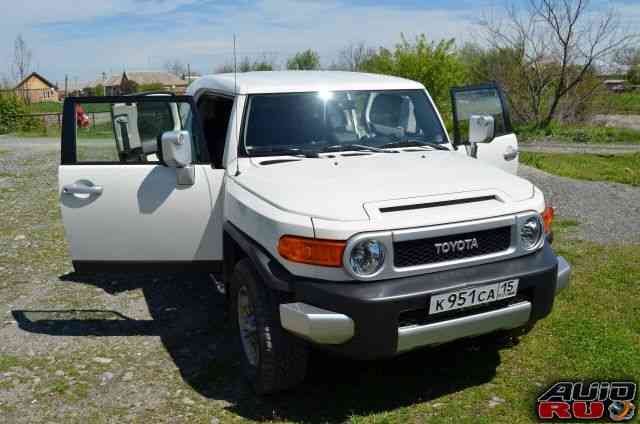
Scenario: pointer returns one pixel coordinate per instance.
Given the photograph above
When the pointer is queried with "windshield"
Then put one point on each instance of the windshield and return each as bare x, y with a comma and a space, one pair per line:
317, 121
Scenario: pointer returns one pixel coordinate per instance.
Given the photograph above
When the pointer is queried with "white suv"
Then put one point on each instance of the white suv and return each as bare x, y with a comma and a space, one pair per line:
332, 209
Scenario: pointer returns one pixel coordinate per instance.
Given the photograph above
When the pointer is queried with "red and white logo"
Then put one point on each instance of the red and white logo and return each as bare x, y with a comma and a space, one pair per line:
596, 401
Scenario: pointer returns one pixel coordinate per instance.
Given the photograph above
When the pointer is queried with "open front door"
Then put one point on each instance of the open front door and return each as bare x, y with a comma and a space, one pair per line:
485, 100
124, 205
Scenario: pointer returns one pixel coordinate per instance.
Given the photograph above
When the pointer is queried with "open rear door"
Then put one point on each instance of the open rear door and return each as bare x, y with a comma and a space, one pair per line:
485, 99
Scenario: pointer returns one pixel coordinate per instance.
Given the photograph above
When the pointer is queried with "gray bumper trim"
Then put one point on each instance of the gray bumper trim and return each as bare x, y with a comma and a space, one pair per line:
473, 325
564, 274
315, 324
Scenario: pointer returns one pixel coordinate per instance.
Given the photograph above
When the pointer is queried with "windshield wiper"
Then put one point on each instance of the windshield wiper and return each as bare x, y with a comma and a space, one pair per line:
356, 147
414, 143
284, 151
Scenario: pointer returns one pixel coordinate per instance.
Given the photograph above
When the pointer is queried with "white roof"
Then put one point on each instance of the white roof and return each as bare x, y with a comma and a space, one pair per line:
300, 81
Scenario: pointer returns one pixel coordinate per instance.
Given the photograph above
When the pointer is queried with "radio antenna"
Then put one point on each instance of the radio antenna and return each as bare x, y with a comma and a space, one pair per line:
235, 89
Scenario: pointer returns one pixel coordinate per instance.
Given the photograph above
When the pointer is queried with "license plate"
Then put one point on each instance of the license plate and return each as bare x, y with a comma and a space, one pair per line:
478, 295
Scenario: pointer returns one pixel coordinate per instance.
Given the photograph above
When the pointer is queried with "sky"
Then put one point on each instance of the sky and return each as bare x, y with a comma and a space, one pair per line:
83, 38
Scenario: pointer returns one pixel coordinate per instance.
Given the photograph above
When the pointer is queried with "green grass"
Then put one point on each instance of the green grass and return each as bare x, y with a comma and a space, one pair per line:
621, 103
593, 332
103, 130
579, 134
45, 107
617, 168
55, 107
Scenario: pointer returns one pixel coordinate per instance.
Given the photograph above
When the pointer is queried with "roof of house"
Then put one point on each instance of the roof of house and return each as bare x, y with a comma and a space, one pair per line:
145, 77
154, 77
300, 81
40, 77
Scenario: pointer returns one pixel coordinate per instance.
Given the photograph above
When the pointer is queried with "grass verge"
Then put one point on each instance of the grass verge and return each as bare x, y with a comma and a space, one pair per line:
579, 134
616, 168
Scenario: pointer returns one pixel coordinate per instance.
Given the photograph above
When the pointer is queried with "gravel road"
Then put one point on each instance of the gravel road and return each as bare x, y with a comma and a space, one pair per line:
605, 211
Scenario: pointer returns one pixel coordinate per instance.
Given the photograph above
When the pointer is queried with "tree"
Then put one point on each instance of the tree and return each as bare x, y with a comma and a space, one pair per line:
306, 60
129, 87
352, 57
263, 63
633, 74
436, 65
556, 45
21, 58
99, 90
627, 58
175, 67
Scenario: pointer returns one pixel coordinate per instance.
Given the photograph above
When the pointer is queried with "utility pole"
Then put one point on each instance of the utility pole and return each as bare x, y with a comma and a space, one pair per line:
188, 72
66, 85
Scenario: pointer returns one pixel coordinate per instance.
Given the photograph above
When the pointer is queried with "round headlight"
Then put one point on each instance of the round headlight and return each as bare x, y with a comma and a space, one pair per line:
367, 257
530, 233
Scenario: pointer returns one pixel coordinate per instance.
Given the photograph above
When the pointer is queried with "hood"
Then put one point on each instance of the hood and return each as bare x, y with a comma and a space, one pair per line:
338, 188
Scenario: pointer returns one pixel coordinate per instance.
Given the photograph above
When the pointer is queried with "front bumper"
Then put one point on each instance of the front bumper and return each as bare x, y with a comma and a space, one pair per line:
372, 320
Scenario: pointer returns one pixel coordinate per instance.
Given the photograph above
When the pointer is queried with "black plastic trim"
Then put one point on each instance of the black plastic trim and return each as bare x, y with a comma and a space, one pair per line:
437, 204
376, 307
273, 274
147, 266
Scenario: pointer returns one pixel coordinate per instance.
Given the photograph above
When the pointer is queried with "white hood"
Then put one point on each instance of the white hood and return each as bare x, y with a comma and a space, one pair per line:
338, 188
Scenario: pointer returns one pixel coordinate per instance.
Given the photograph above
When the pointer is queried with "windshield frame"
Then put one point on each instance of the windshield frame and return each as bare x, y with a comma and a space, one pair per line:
242, 138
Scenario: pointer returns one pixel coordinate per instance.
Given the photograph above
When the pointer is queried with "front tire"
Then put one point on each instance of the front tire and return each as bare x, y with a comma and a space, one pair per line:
272, 359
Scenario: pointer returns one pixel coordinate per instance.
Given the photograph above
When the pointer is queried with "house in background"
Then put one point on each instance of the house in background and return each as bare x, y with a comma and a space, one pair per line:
116, 84
615, 85
35, 89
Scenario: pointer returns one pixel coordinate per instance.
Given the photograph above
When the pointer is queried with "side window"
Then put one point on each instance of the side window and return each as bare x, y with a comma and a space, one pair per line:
126, 131
481, 100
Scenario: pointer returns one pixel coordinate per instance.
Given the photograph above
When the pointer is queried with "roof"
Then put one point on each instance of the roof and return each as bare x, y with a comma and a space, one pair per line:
301, 81
40, 77
153, 77
145, 77
614, 81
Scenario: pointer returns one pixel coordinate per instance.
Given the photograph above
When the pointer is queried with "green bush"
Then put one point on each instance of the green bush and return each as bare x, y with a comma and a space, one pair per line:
436, 65
11, 110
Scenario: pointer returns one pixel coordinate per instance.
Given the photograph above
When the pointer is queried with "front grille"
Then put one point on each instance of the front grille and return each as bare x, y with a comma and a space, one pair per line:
424, 251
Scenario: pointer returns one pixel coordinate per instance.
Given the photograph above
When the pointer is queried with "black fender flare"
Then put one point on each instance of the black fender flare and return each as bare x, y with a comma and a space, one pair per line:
270, 270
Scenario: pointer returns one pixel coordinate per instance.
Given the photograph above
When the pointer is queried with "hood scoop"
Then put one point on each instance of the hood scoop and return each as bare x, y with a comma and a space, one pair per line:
452, 202
275, 161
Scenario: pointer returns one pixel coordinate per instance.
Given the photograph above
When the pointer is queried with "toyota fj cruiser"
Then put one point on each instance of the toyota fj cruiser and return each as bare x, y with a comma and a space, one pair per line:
332, 209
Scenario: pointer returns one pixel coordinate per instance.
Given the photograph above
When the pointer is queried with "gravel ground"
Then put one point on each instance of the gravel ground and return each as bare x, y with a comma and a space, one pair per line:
605, 211
154, 348
619, 121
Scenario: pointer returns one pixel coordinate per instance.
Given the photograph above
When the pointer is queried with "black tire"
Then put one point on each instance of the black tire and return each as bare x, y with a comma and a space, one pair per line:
281, 358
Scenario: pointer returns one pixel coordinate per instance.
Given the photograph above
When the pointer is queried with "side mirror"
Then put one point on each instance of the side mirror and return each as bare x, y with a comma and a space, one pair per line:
175, 152
481, 128
176, 148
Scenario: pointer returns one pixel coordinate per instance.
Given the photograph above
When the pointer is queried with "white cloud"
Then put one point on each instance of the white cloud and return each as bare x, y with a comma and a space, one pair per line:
152, 31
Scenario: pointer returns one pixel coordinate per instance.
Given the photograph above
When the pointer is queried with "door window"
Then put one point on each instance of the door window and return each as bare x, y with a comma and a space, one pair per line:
478, 100
125, 129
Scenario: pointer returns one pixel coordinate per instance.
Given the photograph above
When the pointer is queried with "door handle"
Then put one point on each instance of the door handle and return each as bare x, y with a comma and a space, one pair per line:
81, 189
510, 153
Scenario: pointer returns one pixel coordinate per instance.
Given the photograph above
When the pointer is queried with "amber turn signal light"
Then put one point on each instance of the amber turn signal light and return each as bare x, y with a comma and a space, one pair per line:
311, 251
547, 218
